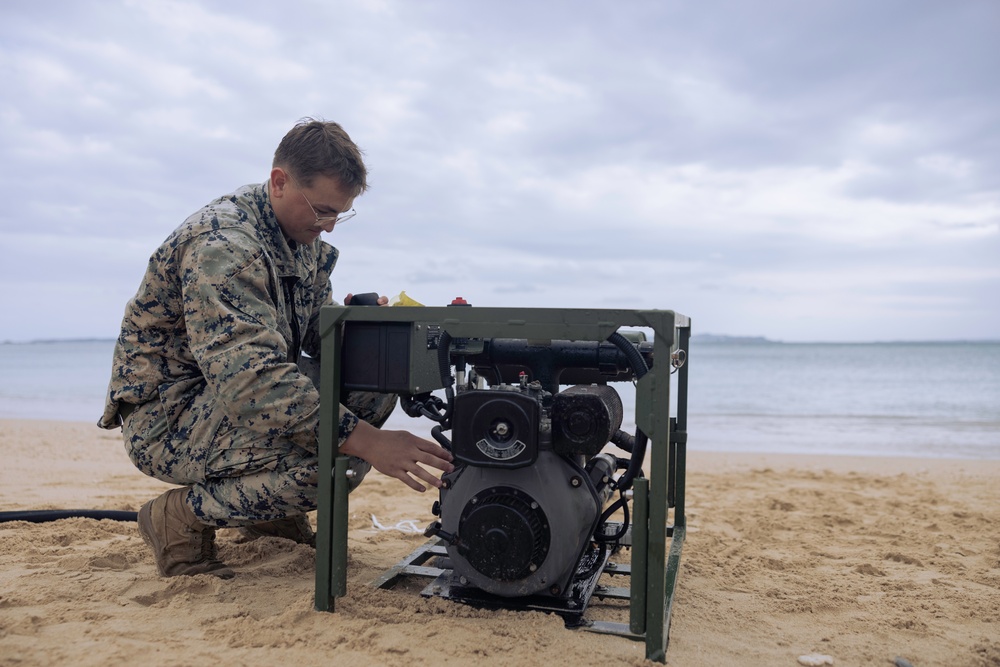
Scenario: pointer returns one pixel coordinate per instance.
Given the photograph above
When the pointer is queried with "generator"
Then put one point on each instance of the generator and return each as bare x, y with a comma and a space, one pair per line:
525, 401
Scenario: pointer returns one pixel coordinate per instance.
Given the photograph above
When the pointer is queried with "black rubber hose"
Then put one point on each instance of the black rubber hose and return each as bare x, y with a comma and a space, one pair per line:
635, 359
42, 516
623, 440
441, 437
444, 365
635, 461
426, 406
639, 447
410, 406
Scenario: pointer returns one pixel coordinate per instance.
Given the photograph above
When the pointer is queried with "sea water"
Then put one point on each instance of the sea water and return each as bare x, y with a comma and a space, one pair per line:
915, 399
893, 399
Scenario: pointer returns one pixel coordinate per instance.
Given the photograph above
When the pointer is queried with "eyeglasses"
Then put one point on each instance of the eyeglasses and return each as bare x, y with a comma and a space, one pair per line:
326, 219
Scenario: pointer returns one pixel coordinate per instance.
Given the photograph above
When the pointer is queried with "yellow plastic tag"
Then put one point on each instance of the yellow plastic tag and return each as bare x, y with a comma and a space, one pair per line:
402, 299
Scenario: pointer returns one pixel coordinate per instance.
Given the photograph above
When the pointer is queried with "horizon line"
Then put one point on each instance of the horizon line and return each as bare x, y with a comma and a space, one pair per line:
704, 337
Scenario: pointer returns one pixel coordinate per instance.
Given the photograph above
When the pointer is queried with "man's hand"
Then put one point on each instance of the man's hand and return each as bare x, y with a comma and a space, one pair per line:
398, 454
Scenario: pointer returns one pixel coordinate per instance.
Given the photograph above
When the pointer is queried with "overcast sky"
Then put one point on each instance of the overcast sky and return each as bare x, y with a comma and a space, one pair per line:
825, 170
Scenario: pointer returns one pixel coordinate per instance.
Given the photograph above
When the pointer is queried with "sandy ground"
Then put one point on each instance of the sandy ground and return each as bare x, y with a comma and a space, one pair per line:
860, 559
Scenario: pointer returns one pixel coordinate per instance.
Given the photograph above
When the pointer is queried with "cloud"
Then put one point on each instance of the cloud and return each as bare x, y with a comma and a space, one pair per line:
776, 168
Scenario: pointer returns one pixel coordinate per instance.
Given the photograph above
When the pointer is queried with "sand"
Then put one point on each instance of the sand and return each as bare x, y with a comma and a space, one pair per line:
860, 559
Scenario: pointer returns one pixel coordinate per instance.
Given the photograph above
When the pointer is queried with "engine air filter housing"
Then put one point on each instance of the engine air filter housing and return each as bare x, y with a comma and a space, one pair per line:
495, 429
584, 418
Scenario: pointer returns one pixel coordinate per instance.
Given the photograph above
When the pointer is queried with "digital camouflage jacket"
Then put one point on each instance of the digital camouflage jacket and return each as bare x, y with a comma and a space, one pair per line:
226, 306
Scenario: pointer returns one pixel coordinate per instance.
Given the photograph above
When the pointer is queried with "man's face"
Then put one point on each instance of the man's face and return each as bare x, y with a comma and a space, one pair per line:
297, 206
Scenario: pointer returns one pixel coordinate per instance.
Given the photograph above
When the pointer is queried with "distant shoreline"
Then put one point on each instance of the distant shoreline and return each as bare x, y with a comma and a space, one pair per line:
52, 341
761, 340
697, 338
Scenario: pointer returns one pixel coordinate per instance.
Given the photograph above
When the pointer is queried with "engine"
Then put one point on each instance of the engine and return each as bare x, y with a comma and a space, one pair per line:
524, 512
520, 511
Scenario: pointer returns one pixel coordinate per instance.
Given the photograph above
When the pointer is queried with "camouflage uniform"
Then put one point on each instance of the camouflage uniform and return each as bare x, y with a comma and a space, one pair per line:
208, 361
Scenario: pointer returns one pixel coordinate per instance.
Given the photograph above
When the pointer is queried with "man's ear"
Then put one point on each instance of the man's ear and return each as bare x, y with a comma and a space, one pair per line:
279, 181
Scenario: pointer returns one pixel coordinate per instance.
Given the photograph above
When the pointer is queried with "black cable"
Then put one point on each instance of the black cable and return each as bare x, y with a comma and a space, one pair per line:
622, 503
42, 516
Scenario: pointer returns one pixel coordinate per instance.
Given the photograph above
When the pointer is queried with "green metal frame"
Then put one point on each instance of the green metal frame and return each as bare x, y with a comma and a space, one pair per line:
655, 565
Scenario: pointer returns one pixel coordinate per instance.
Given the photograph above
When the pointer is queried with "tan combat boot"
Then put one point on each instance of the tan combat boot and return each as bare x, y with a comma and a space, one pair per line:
181, 544
294, 528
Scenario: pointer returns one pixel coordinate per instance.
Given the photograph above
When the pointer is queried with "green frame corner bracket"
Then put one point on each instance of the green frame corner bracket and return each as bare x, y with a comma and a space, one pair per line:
658, 523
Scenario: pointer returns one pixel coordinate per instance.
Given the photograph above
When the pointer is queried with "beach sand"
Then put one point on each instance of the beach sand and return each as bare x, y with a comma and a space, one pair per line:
861, 559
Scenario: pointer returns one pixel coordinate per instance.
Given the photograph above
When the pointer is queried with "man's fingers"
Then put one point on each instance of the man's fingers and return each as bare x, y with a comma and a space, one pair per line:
417, 471
410, 482
441, 464
426, 476
436, 456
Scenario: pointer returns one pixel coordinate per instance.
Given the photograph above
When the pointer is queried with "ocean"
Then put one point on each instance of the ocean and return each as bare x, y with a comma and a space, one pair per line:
888, 399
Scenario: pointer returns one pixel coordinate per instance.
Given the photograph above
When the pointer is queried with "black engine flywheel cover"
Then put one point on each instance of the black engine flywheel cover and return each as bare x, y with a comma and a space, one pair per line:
504, 533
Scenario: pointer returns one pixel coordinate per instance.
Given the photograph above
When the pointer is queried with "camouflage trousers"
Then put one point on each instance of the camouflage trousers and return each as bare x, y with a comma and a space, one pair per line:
235, 476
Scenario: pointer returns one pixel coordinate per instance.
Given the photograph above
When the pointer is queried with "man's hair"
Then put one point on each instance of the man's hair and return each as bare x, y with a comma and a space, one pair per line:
315, 147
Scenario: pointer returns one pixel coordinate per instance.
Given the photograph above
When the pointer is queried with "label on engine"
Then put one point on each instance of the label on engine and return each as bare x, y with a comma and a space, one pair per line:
501, 454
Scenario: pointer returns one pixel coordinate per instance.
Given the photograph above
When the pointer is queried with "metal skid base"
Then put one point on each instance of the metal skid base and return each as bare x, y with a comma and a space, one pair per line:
430, 561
